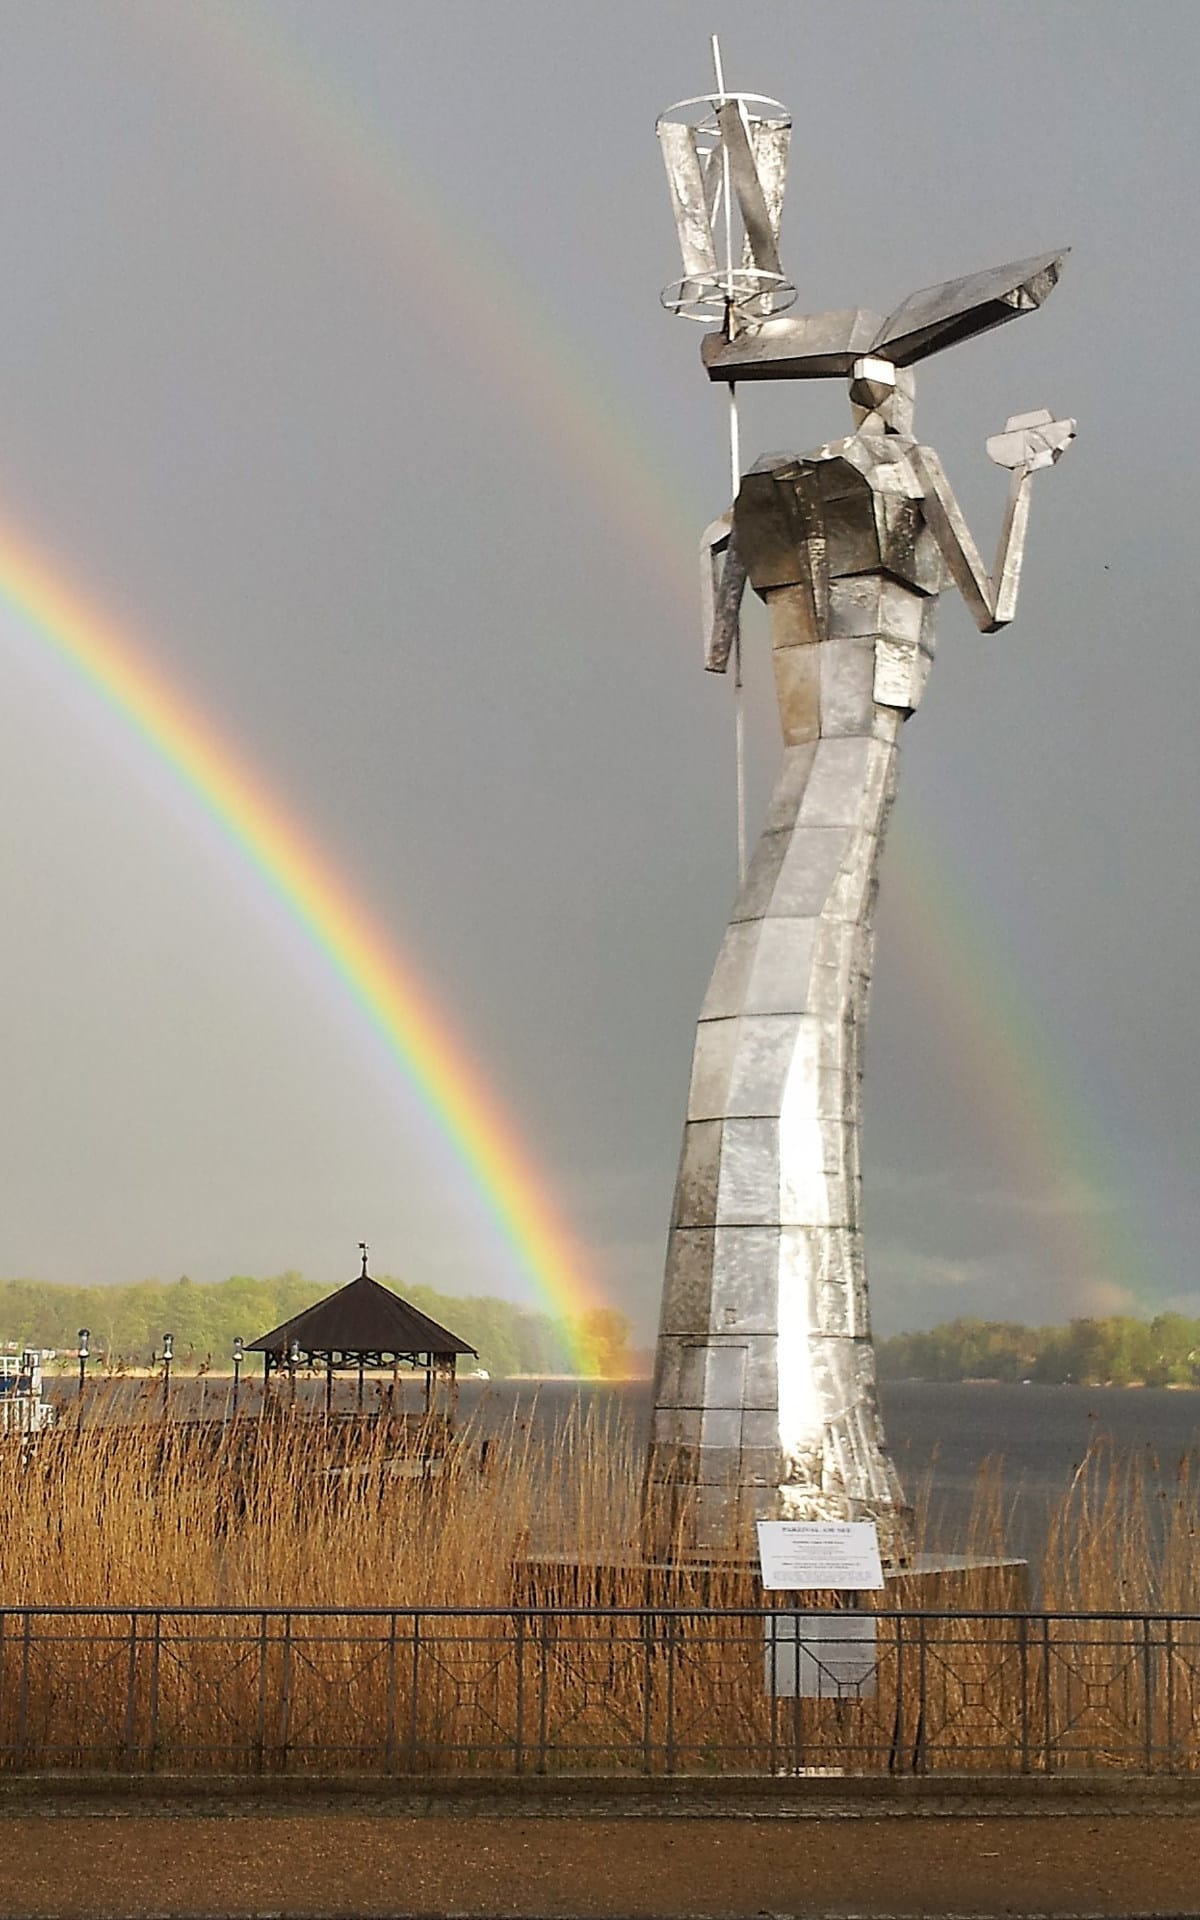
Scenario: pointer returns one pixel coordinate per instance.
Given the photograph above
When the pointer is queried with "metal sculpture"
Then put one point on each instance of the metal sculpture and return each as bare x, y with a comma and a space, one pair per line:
764, 1400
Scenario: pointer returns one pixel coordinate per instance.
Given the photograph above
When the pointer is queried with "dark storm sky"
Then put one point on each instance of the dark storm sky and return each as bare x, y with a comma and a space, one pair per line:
332, 368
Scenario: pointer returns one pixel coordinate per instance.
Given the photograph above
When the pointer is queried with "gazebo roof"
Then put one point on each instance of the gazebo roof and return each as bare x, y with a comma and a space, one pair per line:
361, 1319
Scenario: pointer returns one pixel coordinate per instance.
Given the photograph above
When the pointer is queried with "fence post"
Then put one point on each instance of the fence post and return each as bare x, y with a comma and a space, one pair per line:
919, 1740
1170, 1659
1023, 1646
261, 1721
414, 1691
1047, 1711
543, 1687
23, 1695
670, 1625
1148, 1692
285, 1693
771, 1622
152, 1732
131, 1691
647, 1622
389, 1737
896, 1756
519, 1718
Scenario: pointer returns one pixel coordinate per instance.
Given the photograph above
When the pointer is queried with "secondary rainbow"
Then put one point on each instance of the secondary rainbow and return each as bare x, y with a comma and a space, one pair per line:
358, 951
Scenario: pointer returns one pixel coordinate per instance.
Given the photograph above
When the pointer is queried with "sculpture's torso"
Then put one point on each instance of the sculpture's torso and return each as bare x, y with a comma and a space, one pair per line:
765, 1400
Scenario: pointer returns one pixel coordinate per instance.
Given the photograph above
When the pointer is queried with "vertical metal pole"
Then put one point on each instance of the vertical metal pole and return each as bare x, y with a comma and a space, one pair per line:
414, 1691
1169, 1655
543, 1621
389, 1749
896, 1757
922, 1699
735, 466
771, 1623
1047, 1710
285, 1692
23, 1695
726, 183
1148, 1692
1023, 1646
519, 1656
155, 1657
739, 705
670, 1630
131, 1692
648, 1692
261, 1728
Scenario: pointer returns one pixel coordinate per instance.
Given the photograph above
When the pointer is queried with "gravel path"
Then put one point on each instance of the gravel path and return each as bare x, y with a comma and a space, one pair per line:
345, 1863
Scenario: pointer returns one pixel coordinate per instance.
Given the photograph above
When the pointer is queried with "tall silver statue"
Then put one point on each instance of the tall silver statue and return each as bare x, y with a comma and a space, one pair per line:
764, 1399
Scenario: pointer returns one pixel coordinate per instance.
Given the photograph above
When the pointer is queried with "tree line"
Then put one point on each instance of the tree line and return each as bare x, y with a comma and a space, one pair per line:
126, 1323
1115, 1352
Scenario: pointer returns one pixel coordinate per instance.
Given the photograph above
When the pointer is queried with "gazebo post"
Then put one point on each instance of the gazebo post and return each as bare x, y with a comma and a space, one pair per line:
360, 1383
328, 1384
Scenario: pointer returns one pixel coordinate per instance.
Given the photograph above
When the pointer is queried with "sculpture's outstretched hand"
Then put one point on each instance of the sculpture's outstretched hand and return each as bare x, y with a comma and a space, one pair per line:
1031, 440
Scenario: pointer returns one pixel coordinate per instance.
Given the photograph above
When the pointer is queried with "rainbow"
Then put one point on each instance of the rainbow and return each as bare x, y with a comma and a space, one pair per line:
991, 1038
947, 943
384, 986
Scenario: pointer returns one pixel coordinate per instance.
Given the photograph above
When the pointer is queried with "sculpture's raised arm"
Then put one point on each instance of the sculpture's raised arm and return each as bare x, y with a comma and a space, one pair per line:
1029, 441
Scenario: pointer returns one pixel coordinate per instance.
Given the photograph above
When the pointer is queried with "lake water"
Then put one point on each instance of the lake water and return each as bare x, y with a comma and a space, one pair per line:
941, 1435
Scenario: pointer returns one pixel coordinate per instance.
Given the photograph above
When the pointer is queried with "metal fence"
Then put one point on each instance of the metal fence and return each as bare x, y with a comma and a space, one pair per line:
596, 1691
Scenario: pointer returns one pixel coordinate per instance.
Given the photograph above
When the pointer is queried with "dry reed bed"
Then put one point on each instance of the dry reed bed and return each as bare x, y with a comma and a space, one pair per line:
157, 1515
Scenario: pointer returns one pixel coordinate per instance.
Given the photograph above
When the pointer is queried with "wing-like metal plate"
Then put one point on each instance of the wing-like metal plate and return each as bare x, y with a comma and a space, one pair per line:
821, 346
817, 346
937, 317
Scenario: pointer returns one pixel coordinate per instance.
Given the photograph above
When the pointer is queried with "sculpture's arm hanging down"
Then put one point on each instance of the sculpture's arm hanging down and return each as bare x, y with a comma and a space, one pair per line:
722, 585
1029, 441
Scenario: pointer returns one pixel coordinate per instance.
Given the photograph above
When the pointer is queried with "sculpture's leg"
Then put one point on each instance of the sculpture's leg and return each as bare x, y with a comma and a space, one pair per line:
765, 1386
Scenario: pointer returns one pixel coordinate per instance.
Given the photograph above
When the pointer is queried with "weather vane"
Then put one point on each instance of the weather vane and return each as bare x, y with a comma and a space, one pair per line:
765, 1401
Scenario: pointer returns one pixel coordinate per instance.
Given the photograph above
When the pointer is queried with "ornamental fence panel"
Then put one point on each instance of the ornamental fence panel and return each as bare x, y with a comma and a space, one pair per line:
599, 1691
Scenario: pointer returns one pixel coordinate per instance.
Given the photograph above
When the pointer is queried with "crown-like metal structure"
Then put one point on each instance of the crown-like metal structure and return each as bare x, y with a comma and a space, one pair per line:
721, 150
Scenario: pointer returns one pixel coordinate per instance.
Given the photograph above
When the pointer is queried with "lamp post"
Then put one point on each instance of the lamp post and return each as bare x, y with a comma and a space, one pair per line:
168, 1349
238, 1351
85, 1337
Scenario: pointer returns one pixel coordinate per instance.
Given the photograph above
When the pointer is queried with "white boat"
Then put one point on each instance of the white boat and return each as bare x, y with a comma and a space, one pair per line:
22, 1409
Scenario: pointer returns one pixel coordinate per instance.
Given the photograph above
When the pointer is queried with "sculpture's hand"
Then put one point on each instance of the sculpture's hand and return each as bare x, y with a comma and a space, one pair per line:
1030, 441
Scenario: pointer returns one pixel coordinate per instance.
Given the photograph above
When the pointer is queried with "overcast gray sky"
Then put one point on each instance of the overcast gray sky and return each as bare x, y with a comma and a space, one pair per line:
332, 367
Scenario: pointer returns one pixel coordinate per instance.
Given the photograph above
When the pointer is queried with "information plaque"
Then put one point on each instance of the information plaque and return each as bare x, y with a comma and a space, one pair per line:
833, 1555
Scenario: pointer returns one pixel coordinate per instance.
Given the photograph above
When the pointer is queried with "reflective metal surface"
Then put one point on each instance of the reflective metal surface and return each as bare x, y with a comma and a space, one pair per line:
818, 346
765, 1402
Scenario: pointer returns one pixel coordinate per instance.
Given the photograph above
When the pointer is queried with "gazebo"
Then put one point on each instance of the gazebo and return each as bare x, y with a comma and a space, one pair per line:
362, 1325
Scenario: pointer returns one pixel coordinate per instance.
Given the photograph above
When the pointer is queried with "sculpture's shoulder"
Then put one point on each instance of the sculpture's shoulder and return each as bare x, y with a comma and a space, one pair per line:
880, 461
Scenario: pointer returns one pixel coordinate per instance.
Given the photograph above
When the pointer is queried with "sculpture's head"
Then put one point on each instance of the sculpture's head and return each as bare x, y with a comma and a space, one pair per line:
882, 396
